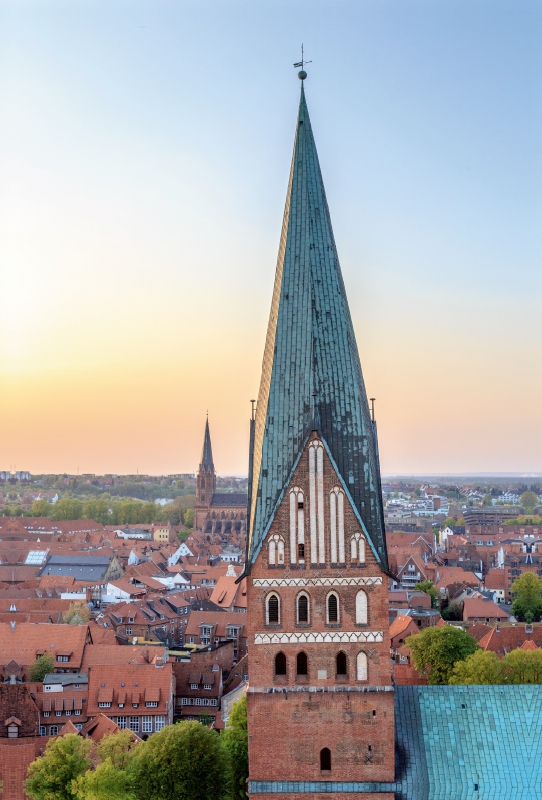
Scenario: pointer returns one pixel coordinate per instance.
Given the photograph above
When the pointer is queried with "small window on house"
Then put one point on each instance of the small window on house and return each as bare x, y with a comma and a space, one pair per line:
301, 550
302, 664
273, 610
341, 663
280, 664
302, 608
325, 759
332, 608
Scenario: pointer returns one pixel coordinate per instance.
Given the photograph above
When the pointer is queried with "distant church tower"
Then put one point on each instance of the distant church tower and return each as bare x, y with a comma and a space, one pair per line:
205, 479
320, 699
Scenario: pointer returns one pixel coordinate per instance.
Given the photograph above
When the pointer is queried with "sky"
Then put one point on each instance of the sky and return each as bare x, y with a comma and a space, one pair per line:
145, 148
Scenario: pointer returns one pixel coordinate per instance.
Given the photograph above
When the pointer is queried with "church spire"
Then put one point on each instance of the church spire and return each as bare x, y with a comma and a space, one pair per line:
207, 452
311, 368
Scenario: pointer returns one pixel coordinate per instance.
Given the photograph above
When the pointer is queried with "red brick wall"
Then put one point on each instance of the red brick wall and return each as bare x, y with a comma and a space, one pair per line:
288, 729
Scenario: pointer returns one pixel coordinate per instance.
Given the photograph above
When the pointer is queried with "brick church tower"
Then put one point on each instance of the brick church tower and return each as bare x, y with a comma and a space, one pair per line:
205, 479
320, 700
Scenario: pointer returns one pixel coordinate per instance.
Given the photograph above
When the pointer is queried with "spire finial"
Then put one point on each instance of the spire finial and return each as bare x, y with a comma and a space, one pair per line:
302, 74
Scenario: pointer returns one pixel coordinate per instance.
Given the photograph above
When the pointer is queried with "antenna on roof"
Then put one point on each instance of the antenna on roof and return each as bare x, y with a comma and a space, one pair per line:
253, 408
372, 399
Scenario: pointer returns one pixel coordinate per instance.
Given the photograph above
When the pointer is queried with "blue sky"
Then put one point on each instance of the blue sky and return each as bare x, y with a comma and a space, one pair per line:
145, 156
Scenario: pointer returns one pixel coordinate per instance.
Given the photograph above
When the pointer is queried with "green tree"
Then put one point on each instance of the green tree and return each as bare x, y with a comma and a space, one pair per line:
483, 666
523, 666
112, 778
453, 611
77, 614
42, 666
486, 500
528, 500
106, 782
97, 509
435, 651
429, 588
118, 747
527, 594
67, 508
185, 761
235, 739
41, 508
188, 517
53, 775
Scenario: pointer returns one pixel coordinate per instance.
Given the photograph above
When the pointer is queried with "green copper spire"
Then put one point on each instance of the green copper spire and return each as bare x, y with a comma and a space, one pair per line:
207, 452
311, 376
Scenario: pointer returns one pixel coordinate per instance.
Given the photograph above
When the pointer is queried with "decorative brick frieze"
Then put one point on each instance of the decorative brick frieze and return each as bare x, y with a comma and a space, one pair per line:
268, 583
314, 637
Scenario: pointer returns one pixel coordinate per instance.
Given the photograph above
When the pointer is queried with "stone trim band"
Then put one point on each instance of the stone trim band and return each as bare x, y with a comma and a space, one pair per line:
318, 689
266, 583
329, 637
322, 787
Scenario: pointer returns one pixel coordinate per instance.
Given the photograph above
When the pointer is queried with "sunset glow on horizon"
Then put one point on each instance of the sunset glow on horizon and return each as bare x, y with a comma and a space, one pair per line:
144, 164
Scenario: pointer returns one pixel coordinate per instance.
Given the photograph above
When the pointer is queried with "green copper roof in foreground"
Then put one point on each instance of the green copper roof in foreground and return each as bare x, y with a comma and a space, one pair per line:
453, 743
311, 370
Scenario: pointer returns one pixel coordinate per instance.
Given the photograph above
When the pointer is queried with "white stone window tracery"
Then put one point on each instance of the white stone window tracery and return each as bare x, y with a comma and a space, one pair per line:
297, 525
276, 550
336, 515
357, 548
361, 666
361, 607
316, 498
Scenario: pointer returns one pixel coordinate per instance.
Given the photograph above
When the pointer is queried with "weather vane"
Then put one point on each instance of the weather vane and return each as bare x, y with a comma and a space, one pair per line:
302, 74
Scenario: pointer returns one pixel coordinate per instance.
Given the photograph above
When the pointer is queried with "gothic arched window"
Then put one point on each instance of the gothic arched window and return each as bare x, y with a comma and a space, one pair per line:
273, 609
336, 516
341, 664
297, 525
280, 664
302, 666
361, 667
325, 759
276, 550
361, 608
332, 608
357, 548
303, 608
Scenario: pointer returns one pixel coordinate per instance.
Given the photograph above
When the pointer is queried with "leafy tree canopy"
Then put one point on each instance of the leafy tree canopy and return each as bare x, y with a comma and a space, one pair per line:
453, 611
42, 666
480, 667
106, 782
528, 500
429, 588
523, 666
52, 776
185, 761
235, 739
435, 651
527, 593
77, 614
